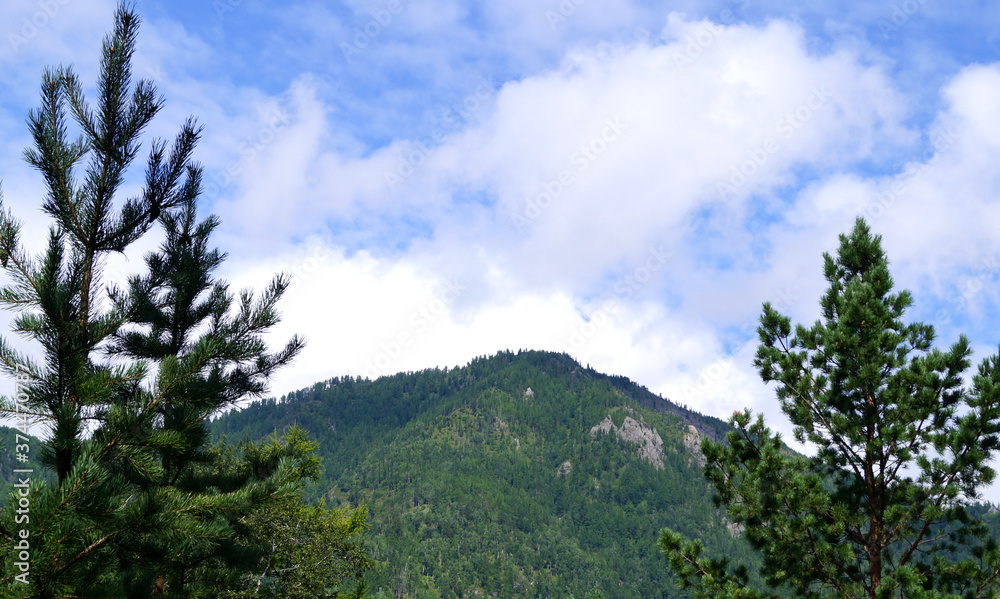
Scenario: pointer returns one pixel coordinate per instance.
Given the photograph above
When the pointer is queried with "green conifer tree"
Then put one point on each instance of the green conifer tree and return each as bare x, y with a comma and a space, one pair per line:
209, 357
306, 552
902, 447
127, 379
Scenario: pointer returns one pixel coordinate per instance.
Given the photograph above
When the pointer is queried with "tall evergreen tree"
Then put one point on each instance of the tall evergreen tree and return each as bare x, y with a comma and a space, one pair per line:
127, 379
902, 447
209, 357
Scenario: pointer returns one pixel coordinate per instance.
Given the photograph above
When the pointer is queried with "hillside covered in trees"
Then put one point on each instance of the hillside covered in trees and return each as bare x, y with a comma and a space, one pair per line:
520, 475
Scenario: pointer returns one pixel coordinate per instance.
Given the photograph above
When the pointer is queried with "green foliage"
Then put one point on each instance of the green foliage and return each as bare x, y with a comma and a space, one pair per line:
130, 500
297, 551
594, 593
314, 552
460, 472
881, 510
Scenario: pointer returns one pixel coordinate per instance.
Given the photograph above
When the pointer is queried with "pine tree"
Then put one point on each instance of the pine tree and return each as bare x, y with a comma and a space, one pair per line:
306, 552
209, 357
128, 379
902, 448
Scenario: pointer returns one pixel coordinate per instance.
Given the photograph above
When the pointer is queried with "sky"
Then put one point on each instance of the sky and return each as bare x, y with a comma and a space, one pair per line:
625, 181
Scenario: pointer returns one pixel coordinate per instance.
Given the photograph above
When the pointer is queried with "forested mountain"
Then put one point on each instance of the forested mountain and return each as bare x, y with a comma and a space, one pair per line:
520, 475
9, 461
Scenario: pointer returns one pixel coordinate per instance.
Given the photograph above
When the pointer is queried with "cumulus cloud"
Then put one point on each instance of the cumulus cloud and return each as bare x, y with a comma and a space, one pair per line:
571, 179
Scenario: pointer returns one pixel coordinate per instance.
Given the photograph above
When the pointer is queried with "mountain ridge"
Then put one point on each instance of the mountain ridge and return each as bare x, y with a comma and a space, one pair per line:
518, 475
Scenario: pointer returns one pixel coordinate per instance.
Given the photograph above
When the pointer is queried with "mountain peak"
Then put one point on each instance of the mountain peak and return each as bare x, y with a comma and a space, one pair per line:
521, 474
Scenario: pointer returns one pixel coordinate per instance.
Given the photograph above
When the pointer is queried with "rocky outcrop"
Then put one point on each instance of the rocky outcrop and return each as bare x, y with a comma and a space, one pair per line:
634, 431
734, 529
692, 442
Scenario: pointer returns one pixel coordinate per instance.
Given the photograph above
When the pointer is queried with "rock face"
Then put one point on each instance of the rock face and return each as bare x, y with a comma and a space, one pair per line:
637, 432
565, 469
734, 529
529, 394
692, 442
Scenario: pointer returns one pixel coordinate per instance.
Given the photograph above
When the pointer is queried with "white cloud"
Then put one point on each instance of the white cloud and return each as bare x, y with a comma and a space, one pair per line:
629, 142
936, 212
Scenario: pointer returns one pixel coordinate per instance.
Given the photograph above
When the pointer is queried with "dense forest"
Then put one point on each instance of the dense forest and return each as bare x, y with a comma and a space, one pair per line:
496, 478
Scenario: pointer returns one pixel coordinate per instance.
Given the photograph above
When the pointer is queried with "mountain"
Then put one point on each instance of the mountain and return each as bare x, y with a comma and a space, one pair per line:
520, 475
20, 461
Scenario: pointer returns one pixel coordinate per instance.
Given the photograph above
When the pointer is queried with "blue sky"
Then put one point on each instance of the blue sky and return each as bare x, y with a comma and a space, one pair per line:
626, 181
